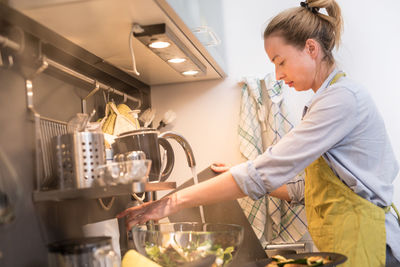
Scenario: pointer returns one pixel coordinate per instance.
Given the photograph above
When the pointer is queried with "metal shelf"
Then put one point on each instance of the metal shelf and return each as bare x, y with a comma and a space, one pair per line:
101, 192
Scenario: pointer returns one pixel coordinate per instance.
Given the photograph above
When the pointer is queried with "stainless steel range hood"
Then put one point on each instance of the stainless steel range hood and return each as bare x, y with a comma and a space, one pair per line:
103, 26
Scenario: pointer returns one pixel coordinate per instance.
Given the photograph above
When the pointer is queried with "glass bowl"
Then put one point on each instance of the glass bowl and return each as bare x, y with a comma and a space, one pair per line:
174, 244
123, 172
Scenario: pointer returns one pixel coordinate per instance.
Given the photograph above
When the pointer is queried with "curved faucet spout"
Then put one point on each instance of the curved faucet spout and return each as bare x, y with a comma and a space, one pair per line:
184, 143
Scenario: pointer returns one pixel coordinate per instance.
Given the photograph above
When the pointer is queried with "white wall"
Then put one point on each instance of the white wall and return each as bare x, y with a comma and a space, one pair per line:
208, 111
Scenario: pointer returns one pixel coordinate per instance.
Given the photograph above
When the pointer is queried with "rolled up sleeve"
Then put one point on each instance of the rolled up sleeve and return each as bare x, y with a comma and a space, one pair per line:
295, 190
329, 120
249, 180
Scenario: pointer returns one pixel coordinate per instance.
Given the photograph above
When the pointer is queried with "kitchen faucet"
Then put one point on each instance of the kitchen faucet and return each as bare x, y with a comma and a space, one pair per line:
185, 145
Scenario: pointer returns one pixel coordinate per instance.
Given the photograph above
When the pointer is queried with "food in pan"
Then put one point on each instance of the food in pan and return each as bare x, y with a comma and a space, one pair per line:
279, 261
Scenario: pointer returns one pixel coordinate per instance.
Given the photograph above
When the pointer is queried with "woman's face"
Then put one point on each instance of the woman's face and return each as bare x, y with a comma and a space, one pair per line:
294, 66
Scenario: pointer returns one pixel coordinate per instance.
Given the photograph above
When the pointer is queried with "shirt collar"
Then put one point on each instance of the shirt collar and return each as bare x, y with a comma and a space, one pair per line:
323, 87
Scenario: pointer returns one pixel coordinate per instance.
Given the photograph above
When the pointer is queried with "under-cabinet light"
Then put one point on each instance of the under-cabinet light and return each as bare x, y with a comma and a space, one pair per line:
173, 54
190, 72
176, 60
159, 44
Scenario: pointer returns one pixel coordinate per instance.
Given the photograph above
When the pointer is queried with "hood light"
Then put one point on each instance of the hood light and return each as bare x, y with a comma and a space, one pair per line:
165, 44
190, 72
176, 60
159, 44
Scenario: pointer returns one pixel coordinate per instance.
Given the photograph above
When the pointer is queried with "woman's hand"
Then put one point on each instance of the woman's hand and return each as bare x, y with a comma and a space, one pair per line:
154, 210
219, 167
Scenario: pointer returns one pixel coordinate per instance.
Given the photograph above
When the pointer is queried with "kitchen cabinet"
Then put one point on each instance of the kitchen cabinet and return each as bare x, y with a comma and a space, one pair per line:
103, 27
205, 19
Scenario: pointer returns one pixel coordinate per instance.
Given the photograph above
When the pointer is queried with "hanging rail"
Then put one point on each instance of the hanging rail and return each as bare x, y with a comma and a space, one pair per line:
5, 42
102, 86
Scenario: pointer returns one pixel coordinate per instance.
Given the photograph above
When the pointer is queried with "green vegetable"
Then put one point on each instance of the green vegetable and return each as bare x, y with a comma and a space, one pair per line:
171, 257
300, 261
282, 263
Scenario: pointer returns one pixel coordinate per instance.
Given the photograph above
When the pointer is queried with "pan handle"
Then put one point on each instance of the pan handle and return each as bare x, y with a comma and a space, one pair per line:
286, 246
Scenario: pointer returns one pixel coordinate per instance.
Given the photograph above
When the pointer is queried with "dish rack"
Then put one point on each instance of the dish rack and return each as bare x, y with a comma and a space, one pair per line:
47, 128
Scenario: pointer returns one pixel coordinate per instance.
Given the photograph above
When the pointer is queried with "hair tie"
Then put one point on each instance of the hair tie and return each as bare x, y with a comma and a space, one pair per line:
312, 9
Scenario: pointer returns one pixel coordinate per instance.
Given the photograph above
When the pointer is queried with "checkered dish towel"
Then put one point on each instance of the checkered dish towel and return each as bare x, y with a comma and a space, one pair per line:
250, 142
258, 129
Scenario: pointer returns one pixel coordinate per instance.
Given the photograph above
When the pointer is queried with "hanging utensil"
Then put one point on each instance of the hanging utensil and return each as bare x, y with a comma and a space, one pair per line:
147, 117
75, 124
87, 120
168, 118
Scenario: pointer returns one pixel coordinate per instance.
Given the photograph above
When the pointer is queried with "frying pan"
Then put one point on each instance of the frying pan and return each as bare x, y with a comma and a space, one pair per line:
335, 259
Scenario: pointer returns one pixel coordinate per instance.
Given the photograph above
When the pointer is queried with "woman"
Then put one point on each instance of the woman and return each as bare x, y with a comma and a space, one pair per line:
341, 142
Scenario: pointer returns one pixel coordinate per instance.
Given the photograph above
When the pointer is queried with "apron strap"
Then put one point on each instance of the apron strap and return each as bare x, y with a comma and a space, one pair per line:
337, 77
332, 81
387, 209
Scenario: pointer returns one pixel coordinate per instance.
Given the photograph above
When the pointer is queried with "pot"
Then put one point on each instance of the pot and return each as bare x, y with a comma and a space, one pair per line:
83, 252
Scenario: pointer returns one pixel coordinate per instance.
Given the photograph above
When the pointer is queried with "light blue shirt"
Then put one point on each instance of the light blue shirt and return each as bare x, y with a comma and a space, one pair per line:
343, 125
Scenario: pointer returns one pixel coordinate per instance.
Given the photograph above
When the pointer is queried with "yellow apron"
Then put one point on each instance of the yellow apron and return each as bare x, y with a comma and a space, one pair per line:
341, 221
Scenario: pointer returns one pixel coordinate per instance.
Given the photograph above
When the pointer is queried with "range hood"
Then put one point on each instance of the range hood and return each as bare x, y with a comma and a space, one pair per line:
102, 27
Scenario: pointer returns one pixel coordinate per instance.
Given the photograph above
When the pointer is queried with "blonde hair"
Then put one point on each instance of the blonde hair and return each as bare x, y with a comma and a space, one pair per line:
298, 24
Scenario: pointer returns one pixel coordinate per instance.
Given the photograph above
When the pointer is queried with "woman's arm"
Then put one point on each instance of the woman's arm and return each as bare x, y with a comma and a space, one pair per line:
281, 193
221, 188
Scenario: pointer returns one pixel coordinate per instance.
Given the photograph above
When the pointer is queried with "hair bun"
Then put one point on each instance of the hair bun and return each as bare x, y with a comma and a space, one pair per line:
312, 9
